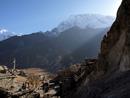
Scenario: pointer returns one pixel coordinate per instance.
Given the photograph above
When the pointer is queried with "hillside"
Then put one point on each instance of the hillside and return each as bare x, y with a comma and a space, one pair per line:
41, 50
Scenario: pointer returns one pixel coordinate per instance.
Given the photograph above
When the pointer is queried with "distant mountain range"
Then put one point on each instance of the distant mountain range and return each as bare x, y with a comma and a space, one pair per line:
68, 43
86, 21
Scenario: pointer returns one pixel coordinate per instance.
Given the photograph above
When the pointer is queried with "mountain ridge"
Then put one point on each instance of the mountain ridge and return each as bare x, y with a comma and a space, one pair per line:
47, 51
50, 49
86, 20
80, 20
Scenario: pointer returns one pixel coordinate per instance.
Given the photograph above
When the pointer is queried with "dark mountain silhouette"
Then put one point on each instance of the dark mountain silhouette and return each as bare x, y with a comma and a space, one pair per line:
41, 50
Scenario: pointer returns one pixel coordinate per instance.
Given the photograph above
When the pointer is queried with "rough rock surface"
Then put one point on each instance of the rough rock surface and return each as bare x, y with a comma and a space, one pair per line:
115, 47
113, 86
114, 59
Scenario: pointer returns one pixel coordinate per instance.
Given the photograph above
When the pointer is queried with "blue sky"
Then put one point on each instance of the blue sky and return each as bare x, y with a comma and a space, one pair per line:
27, 16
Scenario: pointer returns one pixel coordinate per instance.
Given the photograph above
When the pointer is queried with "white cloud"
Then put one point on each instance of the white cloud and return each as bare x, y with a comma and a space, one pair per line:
3, 31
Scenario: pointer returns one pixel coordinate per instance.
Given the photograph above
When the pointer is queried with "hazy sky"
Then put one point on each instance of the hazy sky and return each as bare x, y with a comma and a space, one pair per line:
27, 16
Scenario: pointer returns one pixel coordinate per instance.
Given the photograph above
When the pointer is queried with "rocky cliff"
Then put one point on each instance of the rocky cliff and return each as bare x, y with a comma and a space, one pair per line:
114, 59
115, 47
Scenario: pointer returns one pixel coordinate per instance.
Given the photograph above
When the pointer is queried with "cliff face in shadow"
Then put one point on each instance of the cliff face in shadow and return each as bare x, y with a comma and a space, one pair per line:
114, 60
115, 47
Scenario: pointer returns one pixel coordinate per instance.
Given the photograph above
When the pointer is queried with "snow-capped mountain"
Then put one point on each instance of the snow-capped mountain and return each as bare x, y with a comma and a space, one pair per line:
4, 34
86, 20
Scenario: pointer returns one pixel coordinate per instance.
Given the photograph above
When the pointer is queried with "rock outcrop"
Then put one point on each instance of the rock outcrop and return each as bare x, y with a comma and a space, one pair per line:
114, 61
115, 47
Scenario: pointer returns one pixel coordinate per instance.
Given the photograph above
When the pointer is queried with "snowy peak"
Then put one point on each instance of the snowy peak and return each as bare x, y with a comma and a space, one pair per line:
4, 34
86, 20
